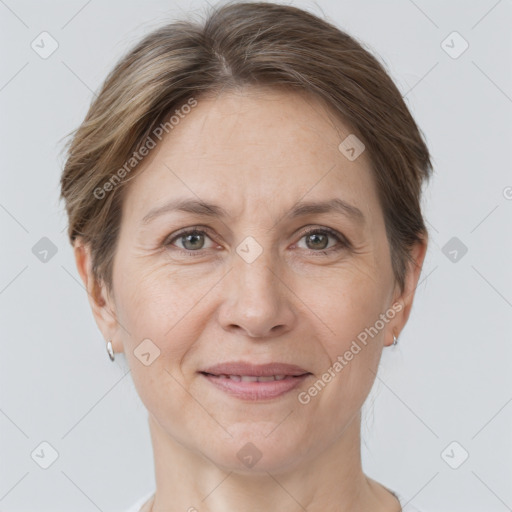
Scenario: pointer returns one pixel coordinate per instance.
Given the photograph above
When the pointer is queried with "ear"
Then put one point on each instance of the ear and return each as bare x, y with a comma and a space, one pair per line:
102, 304
404, 298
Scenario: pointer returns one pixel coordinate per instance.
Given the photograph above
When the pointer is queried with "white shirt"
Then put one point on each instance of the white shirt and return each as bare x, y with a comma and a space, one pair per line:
137, 506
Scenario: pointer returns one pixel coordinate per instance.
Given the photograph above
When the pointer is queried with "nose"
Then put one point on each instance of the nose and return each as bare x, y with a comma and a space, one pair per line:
257, 300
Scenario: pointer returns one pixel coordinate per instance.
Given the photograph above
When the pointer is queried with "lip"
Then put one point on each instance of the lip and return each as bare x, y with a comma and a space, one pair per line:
255, 370
217, 376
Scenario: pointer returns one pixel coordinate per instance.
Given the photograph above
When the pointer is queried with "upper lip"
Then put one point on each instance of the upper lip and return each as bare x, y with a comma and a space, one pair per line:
255, 370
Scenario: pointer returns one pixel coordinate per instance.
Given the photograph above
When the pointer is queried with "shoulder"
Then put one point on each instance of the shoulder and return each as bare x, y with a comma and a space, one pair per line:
406, 507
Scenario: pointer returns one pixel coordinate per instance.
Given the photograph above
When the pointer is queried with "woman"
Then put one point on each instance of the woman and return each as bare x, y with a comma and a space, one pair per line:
244, 206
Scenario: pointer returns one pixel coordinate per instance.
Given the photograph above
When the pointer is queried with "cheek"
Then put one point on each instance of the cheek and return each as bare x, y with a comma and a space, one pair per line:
156, 297
152, 306
352, 309
352, 302
164, 306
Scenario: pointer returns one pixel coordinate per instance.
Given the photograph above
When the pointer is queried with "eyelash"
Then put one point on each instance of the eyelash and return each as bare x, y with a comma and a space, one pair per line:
343, 243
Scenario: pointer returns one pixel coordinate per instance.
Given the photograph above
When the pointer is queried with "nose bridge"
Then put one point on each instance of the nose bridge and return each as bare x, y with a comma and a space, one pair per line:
253, 270
253, 265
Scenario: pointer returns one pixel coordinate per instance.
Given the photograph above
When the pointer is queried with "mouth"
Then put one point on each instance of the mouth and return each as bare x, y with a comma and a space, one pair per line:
255, 382
252, 378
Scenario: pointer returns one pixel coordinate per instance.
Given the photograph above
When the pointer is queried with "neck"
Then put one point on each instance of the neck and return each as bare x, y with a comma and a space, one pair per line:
187, 481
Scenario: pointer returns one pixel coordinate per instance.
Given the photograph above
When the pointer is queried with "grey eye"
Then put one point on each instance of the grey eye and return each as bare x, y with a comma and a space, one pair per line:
317, 241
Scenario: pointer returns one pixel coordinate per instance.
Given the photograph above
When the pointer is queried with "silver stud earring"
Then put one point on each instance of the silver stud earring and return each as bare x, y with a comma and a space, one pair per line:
395, 340
110, 350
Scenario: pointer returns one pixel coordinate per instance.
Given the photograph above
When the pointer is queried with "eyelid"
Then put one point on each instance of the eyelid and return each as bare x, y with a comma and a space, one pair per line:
343, 242
168, 240
333, 232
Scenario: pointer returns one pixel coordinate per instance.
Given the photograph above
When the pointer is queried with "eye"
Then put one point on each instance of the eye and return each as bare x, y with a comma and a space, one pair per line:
317, 240
192, 240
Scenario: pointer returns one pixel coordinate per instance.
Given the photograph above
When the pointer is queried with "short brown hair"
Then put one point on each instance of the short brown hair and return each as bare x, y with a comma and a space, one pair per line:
238, 45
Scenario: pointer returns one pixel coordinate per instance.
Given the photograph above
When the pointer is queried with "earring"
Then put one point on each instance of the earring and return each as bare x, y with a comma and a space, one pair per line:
395, 340
110, 350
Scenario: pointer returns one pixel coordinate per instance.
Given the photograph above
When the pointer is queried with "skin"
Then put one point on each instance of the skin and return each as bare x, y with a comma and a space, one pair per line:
256, 152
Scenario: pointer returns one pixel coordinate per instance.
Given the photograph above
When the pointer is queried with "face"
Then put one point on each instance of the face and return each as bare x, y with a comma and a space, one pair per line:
257, 278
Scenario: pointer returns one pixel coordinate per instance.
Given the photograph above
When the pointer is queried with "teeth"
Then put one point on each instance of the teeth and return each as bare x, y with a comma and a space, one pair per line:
247, 378
265, 379
250, 378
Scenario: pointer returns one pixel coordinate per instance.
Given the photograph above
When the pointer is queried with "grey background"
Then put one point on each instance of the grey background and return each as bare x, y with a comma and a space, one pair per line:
449, 379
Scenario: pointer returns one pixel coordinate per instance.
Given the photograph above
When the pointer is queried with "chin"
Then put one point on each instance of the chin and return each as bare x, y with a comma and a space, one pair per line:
254, 449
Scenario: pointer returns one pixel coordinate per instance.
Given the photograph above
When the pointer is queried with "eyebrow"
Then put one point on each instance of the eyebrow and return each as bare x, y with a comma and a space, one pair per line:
302, 208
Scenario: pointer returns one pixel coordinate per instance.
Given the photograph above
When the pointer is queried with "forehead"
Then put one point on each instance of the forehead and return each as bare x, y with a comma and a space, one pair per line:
255, 144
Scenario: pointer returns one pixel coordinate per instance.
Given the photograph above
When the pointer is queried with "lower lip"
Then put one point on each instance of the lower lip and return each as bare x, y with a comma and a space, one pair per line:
256, 390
